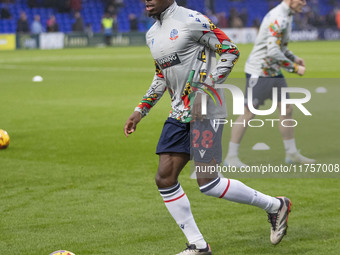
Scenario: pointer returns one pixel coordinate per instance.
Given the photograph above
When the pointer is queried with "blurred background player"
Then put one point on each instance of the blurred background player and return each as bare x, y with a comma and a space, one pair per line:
184, 44
263, 72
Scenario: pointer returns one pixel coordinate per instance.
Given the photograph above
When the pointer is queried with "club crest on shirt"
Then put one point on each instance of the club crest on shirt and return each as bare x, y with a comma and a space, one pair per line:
173, 34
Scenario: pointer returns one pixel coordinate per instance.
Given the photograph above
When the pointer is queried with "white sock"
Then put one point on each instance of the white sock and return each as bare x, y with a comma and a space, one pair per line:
290, 146
179, 207
233, 149
236, 191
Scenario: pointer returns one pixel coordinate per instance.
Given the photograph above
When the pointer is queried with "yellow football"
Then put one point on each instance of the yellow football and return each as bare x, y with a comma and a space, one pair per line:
4, 139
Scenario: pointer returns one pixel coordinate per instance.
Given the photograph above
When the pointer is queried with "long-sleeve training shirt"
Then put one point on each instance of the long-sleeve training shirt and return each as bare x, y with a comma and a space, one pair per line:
184, 44
270, 52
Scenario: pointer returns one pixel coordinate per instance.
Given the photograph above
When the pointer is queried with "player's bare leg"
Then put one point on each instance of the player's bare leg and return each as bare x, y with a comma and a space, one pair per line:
176, 201
170, 166
287, 132
206, 177
237, 132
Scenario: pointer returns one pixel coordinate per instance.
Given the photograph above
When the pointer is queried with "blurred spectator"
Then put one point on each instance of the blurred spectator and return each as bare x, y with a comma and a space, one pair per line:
244, 16
222, 20
315, 20
234, 19
210, 5
76, 5
36, 27
300, 22
5, 12
118, 3
22, 24
107, 27
331, 19
63, 5
212, 17
78, 25
314, 5
111, 10
89, 30
115, 23
256, 23
107, 3
311, 17
337, 18
145, 20
52, 25
133, 22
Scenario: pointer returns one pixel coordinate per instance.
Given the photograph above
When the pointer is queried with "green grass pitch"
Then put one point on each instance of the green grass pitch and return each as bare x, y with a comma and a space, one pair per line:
71, 180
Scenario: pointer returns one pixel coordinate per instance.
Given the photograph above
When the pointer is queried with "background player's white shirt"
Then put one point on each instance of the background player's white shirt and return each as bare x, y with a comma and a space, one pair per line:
183, 44
270, 52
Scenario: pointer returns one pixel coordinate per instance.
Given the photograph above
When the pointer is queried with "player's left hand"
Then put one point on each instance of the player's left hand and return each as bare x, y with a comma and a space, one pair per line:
300, 61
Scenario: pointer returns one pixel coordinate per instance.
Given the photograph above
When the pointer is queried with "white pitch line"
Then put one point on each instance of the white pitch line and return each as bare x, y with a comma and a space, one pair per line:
75, 69
66, 58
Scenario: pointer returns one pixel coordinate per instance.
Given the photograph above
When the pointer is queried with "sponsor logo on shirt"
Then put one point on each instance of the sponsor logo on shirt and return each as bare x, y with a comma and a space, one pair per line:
168, 61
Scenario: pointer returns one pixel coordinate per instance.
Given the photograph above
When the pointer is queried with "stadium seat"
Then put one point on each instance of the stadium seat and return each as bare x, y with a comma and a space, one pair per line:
92, 12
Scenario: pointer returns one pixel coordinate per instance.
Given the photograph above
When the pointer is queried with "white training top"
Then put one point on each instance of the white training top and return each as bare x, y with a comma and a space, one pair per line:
184, 44
270, 52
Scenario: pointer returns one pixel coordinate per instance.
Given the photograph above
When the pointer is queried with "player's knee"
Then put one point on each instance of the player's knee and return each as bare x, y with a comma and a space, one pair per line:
289, 110
248, 115
163, 181
158, 180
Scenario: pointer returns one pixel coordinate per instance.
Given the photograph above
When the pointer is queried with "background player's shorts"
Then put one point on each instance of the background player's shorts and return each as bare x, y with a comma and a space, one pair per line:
263, 88
206, 141
175, 137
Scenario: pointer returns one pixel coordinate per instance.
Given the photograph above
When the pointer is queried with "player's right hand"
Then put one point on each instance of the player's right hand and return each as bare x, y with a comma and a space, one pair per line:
131, 123
301, 70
